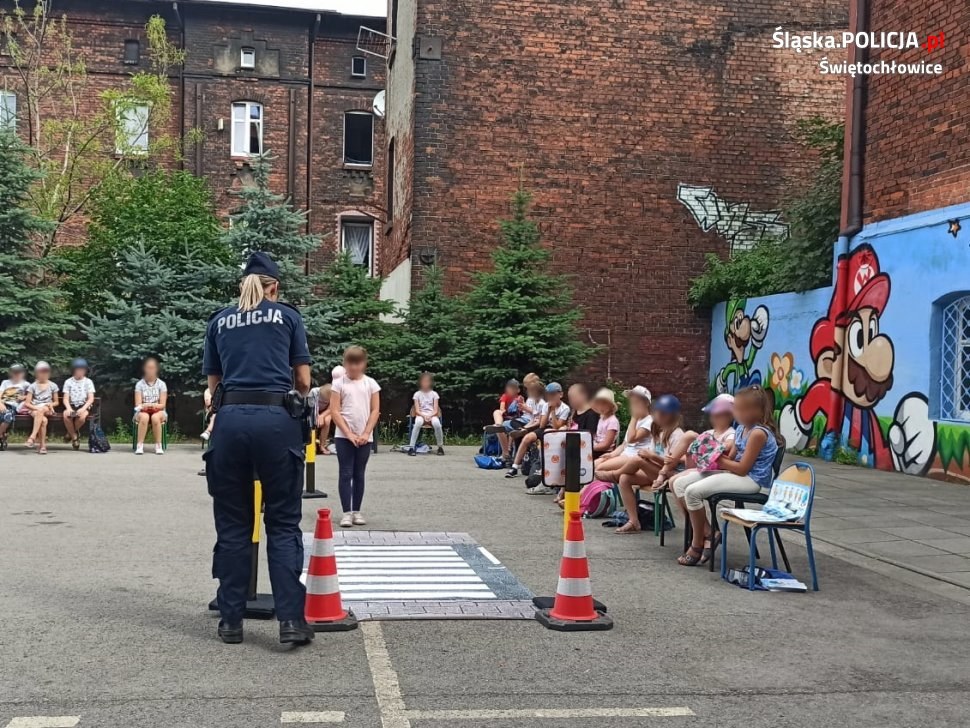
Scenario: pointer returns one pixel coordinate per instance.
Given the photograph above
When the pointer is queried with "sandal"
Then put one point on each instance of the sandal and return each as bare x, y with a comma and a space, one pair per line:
42, 451
689, 559
76, 443
710, 547
628, 527
30, 442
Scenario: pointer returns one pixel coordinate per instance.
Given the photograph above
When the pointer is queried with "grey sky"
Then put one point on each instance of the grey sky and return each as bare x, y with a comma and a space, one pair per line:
350, 7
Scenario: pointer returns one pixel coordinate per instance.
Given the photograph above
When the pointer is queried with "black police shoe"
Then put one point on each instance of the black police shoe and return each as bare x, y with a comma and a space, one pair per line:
231, 634
295, 632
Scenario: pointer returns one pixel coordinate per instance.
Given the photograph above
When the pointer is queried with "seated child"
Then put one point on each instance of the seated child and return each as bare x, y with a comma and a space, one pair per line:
151, 396
509, 416
665, 432
323, 418
637, 435
585, 418
210, 415
13, 393
556, 416
720, 411
426, 408
608, 426
745, 468
42, 398
78, 400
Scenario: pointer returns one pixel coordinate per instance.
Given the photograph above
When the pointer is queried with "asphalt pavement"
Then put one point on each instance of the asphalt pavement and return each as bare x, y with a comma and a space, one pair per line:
106, 573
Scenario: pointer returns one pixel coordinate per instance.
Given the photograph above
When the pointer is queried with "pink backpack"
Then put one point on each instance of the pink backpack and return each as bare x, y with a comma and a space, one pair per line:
597, 499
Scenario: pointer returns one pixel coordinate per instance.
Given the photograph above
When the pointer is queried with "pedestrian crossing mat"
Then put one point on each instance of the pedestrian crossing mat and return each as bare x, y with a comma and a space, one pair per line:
419, 575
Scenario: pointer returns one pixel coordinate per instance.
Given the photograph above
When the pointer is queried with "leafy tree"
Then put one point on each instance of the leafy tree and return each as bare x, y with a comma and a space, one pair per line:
432, 339
167, 318
521, 317
804, 259
33, 321
266, 221
167, 212
354, 299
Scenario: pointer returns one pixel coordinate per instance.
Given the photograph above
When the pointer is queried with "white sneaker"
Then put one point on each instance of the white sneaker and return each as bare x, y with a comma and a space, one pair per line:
159, 450
359, 519
347, 521
140, 450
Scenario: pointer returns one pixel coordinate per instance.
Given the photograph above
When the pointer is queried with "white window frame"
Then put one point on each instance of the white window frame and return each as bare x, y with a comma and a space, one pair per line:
132, 139
247, 58
8, 110
954, 399
240, 140
353, 73
358, 165
360, 222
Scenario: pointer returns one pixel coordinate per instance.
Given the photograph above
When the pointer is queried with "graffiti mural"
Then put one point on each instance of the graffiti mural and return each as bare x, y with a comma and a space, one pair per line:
744, 336
850, 381
741, 226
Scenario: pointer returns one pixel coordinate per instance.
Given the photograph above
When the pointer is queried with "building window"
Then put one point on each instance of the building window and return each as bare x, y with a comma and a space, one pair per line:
247, 58
394, 12
8, 110
358, 67
358, 138
132, 134
357, 240
390, 181
955, 372
132, 52
247, 129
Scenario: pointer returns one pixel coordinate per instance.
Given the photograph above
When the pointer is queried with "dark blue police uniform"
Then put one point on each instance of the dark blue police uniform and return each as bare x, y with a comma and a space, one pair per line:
254, 352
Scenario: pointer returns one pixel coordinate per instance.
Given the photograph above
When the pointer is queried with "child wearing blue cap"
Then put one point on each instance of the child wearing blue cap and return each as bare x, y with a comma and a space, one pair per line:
555, 416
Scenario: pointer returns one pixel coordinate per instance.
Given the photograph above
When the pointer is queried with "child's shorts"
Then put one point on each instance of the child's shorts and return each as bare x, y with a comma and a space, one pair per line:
516, 423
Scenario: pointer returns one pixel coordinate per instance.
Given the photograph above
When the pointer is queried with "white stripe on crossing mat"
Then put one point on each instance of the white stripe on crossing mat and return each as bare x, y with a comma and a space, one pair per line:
426, 585
488, 555
547, 713
404, 570
45, 721
326, 716
378, 596
385, 579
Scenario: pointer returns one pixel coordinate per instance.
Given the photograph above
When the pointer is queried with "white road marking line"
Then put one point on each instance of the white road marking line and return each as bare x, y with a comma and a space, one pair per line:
385, 579
404, 570
547, 713
326, 716
456, 559
379, 596
395, 549
45, 721
487, 554
424, 586
387, 689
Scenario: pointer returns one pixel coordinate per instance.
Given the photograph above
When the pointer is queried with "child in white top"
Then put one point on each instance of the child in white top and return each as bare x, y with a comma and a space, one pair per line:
78, 400
608, 467
42, 398
426, 409
355, 404
13, 393
151, 396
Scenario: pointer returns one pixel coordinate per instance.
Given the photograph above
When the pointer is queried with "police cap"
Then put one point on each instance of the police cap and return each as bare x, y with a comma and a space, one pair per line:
261, 264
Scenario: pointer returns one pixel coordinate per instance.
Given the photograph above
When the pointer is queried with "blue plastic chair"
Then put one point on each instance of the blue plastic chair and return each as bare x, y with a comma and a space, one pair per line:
803, 474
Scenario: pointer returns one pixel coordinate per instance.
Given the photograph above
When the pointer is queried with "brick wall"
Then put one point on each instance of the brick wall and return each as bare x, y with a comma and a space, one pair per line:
603, 114
917, 154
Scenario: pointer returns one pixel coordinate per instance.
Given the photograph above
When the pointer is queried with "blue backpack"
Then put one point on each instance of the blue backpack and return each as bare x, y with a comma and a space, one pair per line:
489, 462
491, 446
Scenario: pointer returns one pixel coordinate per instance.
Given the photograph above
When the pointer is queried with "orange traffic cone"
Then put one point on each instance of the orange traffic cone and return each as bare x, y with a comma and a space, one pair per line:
324, 610
574, 609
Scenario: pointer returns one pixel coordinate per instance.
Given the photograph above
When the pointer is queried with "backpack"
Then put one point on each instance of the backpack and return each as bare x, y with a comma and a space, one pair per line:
597, 499
97, 442
490, 446
488, 462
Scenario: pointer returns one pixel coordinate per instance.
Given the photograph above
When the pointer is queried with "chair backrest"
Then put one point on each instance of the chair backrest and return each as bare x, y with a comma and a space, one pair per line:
798, 474
776, 464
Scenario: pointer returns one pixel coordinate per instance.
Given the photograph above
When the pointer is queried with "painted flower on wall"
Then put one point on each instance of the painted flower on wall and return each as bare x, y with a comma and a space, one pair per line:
796, 381
781, 366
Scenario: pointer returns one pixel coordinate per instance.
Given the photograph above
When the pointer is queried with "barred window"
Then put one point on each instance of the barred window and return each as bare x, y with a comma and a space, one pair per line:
955, 369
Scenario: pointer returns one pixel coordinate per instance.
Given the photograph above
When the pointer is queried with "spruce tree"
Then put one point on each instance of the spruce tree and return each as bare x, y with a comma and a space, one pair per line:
521, 317
432, 339
166, 318
354, 299
33, 319
266, 221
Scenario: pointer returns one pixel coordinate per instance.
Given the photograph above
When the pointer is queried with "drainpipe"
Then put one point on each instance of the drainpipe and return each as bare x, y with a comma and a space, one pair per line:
309, 132
852, 205
181, 22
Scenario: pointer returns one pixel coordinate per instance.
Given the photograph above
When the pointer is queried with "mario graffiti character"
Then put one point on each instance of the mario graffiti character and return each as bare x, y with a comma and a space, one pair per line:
860, 374
744, 336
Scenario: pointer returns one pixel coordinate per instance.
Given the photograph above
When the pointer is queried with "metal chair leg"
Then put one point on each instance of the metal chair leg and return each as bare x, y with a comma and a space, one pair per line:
781, 548
724, 535
752, 566
771, 547
811, 559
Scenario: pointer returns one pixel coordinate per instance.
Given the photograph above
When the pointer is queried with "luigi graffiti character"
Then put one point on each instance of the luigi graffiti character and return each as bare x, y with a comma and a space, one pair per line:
744, 336
860, 374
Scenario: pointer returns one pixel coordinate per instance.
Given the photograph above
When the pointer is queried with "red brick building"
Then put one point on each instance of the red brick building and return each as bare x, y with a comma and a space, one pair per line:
255, 78
650, 133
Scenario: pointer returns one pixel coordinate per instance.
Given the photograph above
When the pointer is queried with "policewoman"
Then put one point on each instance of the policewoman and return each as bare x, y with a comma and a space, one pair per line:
258, 367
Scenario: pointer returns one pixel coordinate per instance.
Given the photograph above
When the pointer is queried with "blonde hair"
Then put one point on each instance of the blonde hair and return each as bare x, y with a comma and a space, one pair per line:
662, 434
252, 291
355, 355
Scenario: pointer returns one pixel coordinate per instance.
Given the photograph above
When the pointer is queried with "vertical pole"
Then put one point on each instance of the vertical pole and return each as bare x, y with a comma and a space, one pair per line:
573, 455
310, 489
257, 524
